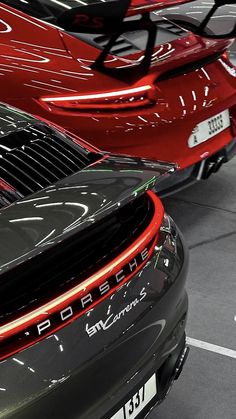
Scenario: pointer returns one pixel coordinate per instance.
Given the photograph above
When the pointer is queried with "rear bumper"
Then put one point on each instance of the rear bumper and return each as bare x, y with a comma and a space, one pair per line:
181, 179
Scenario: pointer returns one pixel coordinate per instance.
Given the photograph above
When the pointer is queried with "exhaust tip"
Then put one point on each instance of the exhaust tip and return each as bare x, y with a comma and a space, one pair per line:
171, 369
213, 164
181, 361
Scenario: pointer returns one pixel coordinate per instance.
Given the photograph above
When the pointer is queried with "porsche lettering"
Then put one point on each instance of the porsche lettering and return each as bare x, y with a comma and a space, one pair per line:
92, 297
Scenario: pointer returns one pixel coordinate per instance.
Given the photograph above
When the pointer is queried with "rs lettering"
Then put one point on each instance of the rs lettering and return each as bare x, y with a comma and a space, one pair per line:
84, 20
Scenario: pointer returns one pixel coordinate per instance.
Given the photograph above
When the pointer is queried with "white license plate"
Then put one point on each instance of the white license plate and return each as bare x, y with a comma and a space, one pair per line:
139, 400
209, 128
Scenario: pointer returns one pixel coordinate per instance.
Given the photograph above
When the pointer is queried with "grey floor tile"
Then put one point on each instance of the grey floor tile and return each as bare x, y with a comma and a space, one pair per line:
205, 390
218, 191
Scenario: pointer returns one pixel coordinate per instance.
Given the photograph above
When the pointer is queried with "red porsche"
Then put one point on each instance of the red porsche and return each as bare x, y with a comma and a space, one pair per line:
146, 87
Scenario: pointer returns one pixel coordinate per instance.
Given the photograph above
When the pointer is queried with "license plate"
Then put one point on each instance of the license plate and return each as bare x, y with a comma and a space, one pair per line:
209, 128
138, 401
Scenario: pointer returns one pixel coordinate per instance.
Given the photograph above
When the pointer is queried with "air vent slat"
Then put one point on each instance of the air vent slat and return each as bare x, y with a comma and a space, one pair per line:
44, 162
122, 49
51, 158
101, 39
7, 198
59, 158
68, 162
36, 157
135, 41
9, 177
32, 163
28, 169
19, 173
121, 41
75, 157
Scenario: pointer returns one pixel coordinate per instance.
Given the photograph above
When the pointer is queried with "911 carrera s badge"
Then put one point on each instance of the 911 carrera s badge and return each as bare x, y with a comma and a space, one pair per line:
113, 318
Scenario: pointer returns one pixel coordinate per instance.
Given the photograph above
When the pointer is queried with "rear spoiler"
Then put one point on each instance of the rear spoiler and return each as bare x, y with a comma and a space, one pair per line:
109, 18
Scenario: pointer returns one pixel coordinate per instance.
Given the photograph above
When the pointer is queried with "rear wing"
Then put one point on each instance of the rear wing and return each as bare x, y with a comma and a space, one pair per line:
116, 17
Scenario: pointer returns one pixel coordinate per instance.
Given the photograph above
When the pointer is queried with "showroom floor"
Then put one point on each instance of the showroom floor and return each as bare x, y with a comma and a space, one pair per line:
206, 214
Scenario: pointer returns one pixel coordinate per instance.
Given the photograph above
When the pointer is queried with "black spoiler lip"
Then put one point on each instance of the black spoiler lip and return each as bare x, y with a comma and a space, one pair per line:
43, 219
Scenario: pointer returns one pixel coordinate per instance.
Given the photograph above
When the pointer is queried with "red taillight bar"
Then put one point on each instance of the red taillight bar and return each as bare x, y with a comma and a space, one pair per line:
107, 100
94, 96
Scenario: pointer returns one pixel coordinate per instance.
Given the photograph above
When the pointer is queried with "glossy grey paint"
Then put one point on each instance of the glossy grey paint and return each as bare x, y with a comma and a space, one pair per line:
70, 375
64, 209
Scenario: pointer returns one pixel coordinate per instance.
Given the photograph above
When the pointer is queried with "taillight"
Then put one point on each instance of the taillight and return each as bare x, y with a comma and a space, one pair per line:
104, 101
225, 55
233, 120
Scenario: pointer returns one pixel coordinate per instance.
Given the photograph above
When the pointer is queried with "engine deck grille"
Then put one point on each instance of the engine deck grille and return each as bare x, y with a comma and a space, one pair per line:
33, 164
135, 41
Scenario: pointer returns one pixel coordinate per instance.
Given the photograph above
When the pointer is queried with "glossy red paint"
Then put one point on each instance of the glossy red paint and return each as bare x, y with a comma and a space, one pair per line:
60, 302
43, 61
150, 5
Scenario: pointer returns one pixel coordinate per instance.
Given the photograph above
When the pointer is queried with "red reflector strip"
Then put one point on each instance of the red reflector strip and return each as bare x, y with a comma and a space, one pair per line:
5, 186
55, 314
